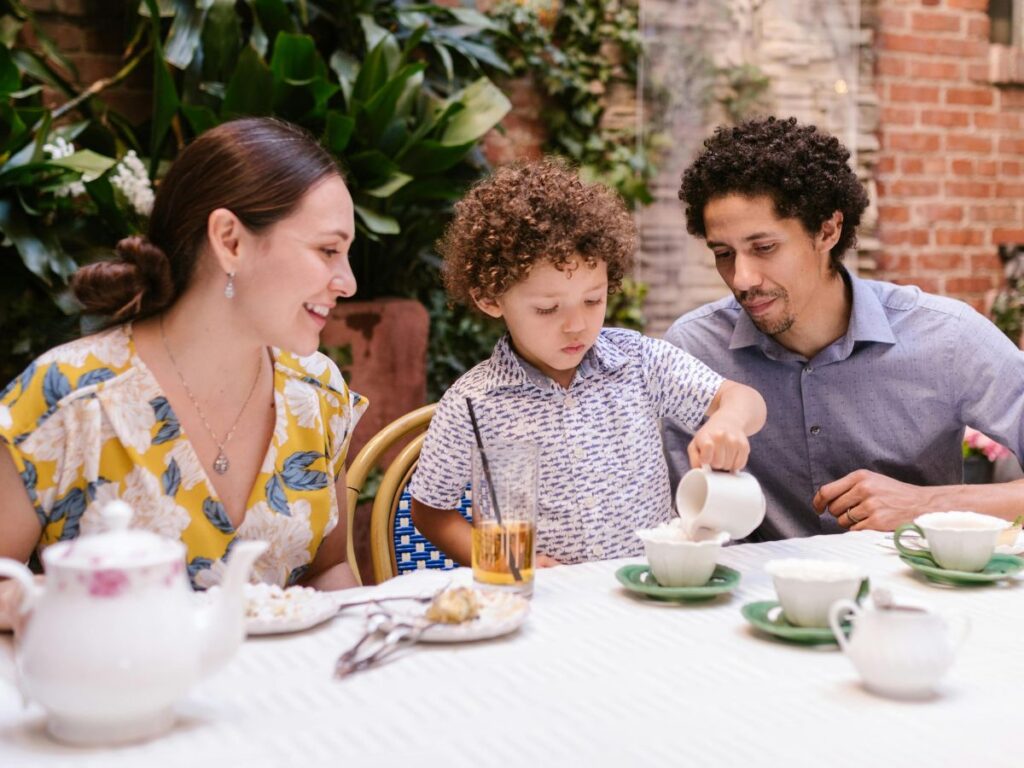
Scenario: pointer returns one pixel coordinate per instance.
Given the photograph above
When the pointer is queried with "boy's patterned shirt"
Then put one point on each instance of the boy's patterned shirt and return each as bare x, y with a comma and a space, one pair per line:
602, 468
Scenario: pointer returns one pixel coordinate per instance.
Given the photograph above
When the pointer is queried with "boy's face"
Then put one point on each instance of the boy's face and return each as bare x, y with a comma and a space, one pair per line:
773, 266
554, 316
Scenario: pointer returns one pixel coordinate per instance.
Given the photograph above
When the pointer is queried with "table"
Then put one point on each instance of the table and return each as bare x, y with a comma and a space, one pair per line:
596, 677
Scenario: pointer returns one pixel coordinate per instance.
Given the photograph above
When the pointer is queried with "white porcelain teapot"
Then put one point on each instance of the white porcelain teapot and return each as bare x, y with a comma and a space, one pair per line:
116, 637
899, 650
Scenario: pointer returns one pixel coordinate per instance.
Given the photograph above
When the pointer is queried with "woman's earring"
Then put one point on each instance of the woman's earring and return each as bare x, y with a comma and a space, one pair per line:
229, 289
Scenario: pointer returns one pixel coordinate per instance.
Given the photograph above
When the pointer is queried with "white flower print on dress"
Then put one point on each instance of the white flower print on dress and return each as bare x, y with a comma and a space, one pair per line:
110, 348
338, 424
92, 519
153, 511
315, 364
46, 443
288, 537
129, 411
82, 425
191, 470
303, 403
5, 417
280, 419
212, 576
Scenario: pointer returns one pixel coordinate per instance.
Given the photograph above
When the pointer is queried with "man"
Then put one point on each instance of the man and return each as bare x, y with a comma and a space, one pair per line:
869, 385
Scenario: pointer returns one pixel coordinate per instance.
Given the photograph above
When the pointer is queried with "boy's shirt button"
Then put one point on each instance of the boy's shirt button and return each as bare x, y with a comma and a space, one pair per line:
579, 453
569, 401
597, 550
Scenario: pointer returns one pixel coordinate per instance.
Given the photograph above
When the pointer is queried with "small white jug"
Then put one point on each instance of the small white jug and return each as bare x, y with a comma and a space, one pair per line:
899, 650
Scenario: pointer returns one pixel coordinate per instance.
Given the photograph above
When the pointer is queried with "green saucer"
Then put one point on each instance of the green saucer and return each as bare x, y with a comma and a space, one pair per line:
639, 579
999, 567
765, 617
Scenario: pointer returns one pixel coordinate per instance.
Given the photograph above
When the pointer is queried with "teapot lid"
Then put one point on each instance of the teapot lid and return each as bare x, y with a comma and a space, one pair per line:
117, 546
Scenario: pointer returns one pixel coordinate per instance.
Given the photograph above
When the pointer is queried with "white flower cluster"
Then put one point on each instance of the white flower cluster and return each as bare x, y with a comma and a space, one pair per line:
58, 148
131, 179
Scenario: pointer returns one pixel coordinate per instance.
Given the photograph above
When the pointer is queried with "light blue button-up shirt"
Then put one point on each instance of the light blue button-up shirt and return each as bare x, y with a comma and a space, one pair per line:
892, 395
602, 470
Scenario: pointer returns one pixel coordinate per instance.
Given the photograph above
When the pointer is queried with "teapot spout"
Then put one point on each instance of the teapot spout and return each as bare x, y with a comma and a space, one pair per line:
222, 622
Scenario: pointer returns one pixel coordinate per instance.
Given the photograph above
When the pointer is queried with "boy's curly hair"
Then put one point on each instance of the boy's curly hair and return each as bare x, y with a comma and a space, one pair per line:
802, 170
527, 213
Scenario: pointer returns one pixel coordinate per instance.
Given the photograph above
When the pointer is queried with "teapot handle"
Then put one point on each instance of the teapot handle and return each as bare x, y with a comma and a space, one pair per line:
30, 590
836, 613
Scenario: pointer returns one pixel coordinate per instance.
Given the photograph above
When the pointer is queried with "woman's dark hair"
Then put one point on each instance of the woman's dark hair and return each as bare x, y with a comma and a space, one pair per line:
803, 171
258, 168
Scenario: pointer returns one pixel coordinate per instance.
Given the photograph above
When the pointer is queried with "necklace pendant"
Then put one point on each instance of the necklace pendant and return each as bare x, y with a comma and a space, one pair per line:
221, 463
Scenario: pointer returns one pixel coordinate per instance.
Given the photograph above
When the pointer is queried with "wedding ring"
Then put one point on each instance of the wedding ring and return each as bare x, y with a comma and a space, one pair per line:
849, 516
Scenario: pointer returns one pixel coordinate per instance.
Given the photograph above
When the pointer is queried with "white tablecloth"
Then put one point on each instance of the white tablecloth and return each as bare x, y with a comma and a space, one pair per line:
596, 677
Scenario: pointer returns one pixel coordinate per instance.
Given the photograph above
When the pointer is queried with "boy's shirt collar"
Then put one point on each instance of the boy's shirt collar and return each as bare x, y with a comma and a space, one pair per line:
507, 369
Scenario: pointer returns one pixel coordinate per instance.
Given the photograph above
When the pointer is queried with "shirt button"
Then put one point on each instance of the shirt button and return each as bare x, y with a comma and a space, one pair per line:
590, 502
579, 453
597, 550
815, 429
808, 369
569, 401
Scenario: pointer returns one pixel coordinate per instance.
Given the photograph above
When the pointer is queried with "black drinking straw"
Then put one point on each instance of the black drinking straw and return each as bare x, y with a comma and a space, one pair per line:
490, 487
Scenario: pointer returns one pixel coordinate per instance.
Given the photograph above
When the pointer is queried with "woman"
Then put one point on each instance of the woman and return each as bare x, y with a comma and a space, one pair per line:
205, 405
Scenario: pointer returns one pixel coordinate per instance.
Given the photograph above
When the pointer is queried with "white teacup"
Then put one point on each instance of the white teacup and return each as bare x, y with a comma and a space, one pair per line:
957, 541
678, 561
720, 501
807, 588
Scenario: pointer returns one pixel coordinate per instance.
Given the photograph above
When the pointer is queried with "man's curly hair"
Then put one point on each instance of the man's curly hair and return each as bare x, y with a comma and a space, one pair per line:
802, 170
524, 214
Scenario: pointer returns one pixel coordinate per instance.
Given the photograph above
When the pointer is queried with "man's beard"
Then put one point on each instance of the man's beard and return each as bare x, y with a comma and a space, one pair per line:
766, 325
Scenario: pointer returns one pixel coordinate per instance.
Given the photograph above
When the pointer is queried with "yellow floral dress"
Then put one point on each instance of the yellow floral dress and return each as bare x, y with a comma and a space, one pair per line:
87, 423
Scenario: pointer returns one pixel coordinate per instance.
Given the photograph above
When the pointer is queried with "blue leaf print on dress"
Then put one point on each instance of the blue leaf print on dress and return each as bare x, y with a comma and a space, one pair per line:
29, 478
95, 376
216, 514
70, 509
164, 413
196, 565
55, 385
26, 377
297, 475
297, 574
275, 496
10, 386
172, 478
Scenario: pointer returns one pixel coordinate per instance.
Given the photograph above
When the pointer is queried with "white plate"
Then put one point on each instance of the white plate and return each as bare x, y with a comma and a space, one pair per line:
500, 614
271, 610
913, 540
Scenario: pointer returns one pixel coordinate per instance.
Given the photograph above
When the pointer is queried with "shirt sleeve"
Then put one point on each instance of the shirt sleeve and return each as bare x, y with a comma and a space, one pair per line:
988, 374
23, 407
681, 386
443, 468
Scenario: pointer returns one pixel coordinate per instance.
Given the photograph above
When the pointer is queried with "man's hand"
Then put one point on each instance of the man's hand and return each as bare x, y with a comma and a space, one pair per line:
546, 561
865, 500
721, 443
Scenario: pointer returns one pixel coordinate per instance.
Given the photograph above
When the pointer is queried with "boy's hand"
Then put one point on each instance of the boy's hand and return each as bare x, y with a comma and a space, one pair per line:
721, 443
546, 561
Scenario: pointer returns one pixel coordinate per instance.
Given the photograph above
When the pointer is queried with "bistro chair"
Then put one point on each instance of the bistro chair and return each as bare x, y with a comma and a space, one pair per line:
396, 547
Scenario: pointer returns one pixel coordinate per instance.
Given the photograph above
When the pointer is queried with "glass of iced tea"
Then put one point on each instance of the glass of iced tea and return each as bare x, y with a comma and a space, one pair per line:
504, 488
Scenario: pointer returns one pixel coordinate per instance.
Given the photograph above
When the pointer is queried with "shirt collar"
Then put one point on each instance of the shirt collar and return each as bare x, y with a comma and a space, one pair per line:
508, 369
868, 322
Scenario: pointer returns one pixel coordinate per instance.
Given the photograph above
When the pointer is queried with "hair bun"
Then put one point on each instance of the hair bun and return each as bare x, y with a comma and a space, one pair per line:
136, 283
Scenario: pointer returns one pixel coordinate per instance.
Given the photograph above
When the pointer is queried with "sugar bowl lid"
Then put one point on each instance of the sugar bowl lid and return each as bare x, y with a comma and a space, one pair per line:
117, 546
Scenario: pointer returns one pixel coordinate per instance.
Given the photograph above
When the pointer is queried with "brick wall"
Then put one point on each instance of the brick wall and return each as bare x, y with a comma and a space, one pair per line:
92, 35
950, 171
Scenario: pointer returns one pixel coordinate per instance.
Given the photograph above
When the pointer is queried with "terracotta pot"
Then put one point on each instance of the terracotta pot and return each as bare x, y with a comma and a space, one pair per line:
386, 343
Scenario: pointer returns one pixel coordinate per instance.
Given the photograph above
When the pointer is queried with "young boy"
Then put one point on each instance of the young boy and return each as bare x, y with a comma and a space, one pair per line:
538, 248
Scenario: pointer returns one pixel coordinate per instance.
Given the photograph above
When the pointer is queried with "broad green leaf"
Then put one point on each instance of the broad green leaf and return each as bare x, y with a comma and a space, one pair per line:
273, 17
86, 162
372, 75
183, 37
485, 106
410, 96
377, 36
221, 41
380, 108
102, 193
338, 131
32, 64
390, 186
475, 52
370, 168
474, 18
200, 118
12, 129
429, 189
378, 223
165, 8
38, 246
346, 67
165, 96
251, 89
430, 156
10, 78
446, 61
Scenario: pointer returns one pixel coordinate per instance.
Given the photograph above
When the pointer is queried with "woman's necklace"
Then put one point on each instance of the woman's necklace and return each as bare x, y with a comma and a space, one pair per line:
221, 464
